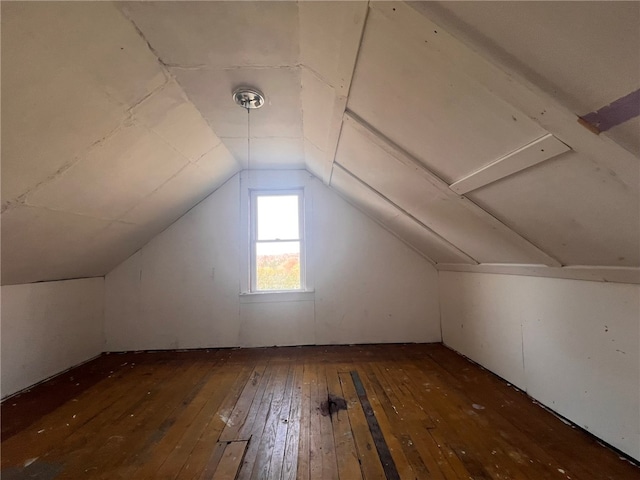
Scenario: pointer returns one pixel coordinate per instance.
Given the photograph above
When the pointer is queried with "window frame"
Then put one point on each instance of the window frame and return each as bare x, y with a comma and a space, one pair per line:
275, 181
254, 241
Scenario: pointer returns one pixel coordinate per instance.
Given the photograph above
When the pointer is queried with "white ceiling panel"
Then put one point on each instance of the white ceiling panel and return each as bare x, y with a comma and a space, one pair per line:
364, 197
395, 220
329, 39
210, 91
407, 185
216, 34
118, 241
111, 59
317, 99
266, 153
114, 176
64, 87
40, 244
573, 209
586, 54
315, 159
57, 100
174, 198
169, 114
219, 164
38, 140
406, 89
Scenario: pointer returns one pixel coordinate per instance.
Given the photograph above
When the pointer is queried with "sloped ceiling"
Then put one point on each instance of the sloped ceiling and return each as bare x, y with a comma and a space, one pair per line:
432, 118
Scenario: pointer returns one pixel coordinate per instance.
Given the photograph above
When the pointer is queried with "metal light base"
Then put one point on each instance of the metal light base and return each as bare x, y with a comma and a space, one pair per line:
248, 97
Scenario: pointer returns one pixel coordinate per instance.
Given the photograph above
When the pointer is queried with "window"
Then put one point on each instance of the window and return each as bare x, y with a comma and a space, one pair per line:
275, 236
277, 243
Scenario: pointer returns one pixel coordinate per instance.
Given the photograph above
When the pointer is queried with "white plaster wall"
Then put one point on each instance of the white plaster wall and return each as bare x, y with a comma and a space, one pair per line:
367, 280
48, 327
573, 345
182, 289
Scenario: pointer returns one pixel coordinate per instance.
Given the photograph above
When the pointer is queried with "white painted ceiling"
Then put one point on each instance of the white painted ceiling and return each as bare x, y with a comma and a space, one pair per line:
117, 118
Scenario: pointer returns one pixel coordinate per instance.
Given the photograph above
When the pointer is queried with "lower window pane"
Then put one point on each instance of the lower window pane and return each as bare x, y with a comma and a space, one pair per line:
278, 266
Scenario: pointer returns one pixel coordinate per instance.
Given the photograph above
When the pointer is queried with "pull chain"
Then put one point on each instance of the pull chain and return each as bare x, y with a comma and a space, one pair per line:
248, 98
248, 139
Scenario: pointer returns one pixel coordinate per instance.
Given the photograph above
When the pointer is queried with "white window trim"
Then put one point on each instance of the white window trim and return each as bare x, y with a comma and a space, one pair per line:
253, 236
265, 181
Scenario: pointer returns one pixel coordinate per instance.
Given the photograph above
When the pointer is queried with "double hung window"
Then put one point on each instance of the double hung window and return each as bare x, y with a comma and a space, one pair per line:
277, 256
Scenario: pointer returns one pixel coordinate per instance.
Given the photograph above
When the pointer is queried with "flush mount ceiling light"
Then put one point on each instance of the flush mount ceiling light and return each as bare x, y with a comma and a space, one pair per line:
248, 98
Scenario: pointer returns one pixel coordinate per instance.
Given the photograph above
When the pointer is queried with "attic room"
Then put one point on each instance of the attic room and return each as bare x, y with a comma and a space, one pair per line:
320, 240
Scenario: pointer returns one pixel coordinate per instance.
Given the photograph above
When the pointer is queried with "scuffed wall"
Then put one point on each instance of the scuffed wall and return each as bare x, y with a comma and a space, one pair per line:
48, 327
573, 345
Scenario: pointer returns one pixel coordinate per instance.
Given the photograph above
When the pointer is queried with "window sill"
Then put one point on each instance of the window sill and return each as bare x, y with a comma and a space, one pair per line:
264, 297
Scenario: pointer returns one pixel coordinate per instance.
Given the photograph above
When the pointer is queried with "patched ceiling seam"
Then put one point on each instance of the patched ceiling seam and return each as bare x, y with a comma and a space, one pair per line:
406, 214
124, 214
22, 199
75, 214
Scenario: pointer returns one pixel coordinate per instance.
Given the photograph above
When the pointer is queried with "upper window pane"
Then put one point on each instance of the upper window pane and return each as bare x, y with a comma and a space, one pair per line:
277, 217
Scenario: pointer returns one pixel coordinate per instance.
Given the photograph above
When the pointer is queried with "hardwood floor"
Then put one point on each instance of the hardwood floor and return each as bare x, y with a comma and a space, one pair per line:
258, 413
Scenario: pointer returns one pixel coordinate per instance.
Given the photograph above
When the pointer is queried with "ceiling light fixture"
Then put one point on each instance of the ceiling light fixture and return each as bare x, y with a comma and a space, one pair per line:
248, 98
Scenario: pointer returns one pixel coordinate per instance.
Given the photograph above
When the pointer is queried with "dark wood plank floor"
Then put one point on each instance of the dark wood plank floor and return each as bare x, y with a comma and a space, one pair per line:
258, 413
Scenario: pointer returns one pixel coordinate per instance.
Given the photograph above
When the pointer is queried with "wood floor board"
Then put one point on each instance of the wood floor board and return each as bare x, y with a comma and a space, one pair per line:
154, 424
346, 453
454, 431
230, 462
210, 466
241, 409
386, 418
202, 436
540, 433
440, 461
283, 423
370, 463
315, 434
138, 426
62, 432
256, 457
478, 440
35, 403
303, 468
267, 441
31, 441
174, 443
327, 444
258, 414
292, 440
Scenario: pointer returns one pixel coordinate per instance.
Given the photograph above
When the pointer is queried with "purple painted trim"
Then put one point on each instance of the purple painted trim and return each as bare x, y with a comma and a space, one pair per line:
615, 113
